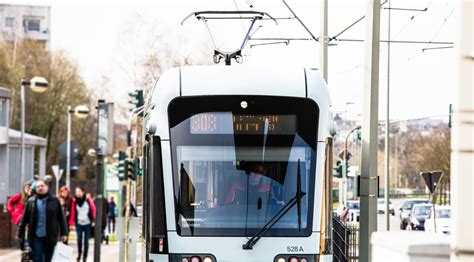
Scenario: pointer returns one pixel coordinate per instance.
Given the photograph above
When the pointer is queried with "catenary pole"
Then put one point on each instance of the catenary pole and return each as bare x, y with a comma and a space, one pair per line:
324, 41
387, 133
368, 180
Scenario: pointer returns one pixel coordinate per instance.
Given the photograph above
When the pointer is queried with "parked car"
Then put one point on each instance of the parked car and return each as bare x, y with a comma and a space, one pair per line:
354, 210
418, 215
406, 209
381, 207
443, 220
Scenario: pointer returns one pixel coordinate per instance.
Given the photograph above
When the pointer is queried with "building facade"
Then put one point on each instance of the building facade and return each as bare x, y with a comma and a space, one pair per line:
10, 146
25, 21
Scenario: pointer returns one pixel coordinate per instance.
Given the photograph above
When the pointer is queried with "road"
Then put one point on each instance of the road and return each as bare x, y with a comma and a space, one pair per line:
394, 220
108, 252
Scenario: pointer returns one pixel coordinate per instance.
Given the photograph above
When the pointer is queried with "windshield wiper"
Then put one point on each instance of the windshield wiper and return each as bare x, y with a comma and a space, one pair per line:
295, 200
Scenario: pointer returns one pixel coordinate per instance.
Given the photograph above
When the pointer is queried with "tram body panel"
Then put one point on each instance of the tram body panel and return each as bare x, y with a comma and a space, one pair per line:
318, 91
230, 248
242, 80
318, 185
165, 90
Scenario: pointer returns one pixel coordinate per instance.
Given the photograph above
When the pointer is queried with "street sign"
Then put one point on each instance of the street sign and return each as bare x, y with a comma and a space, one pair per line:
74, 165
105, 128
57, 172
432, 179
352, 171
341, 155
63, 150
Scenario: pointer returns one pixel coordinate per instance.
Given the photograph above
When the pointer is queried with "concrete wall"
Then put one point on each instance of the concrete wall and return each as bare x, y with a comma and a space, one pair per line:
414, 246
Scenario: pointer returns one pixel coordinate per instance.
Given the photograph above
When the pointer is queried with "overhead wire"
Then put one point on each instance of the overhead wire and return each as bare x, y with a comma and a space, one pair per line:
404, 27
249, 4
422, 51
442, 25
412, 18
210, 34
241, 20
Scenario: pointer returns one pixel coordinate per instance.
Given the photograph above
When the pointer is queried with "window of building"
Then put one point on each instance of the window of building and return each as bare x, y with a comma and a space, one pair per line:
33, 25
9, 21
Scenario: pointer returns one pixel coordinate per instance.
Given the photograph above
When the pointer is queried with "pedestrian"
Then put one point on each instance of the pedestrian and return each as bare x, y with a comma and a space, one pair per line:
111, 214
44, 222
65, 199
105, 212
131, 211
83, 218
16, 203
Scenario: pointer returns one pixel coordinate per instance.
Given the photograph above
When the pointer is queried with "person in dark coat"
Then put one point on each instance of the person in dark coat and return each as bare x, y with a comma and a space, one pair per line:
111, 214
44, 219
65, 199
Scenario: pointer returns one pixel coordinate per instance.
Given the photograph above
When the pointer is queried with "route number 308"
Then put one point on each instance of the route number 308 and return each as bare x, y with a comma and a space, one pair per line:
294, 249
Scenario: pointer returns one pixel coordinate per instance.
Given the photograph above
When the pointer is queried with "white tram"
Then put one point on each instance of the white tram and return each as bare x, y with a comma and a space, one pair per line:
234, 165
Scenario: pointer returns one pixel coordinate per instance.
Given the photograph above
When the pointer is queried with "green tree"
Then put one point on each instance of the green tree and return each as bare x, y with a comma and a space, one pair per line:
46, 114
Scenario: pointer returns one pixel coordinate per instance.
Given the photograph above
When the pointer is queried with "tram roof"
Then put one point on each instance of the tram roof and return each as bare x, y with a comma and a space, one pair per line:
290, 81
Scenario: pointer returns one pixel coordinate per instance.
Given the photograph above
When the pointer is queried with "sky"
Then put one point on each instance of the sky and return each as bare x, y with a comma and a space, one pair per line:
109, 40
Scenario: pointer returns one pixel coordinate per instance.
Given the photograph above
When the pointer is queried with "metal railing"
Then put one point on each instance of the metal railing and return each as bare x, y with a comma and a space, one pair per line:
345, 240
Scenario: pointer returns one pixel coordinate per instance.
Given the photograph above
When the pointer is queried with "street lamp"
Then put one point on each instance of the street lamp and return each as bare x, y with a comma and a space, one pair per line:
80, 112
37, 84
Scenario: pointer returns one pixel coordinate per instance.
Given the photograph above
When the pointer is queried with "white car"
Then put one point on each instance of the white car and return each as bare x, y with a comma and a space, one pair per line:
443, 220
405, 210
381, 206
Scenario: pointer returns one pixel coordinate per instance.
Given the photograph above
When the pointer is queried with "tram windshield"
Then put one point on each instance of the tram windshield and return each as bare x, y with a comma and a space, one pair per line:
234, 169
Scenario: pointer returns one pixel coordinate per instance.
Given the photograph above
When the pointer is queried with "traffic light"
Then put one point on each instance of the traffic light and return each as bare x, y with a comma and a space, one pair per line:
138, 167
131, 169
338, 170
122, 163
136, 99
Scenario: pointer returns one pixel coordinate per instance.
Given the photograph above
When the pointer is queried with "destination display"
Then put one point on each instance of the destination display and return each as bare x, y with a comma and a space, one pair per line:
228, 123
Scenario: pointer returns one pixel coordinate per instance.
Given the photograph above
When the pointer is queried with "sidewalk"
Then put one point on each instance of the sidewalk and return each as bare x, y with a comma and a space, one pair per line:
108, 253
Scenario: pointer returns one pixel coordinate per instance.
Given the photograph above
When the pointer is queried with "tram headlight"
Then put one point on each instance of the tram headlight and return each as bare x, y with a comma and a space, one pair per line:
195, 259
304, 260
184, 259
293, 259
207, 259
281, 259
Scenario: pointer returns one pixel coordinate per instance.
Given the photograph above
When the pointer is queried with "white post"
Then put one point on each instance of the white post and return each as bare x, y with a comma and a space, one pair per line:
387, 134
42, 162
368, 179
462, 141
323, 40
68, 148
396, 160
22, 147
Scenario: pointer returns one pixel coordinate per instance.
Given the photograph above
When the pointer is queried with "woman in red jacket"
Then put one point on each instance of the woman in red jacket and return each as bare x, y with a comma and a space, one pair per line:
83, 217
15, 204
